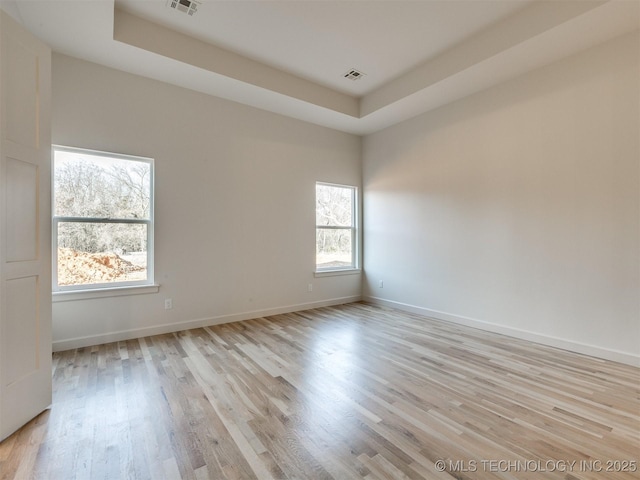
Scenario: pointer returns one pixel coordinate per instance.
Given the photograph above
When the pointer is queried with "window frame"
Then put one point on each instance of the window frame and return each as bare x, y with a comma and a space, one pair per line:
355, 238
57, 219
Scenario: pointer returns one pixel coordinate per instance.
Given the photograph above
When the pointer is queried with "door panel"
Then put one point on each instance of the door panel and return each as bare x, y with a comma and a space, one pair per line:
22, 210
22, 329
21, 77
25, 226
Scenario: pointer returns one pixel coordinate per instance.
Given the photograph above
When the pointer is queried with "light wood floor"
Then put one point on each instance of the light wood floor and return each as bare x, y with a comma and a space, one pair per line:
347, 392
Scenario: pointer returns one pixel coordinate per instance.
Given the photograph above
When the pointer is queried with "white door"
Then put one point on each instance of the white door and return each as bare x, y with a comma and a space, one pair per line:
25, 226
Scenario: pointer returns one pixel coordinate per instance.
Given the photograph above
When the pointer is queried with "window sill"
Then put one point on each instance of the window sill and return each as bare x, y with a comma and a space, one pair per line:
72, 295
334, 273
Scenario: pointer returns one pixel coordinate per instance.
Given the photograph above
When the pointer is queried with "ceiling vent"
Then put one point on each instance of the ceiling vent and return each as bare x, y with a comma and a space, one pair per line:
185, 6
354, 74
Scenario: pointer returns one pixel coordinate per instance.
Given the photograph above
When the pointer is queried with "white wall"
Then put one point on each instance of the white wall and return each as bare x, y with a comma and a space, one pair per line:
235, 202
517, 209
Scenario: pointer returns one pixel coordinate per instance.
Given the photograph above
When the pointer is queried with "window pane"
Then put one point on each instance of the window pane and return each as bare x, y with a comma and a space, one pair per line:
90, 253
334, 206
90, 185
334, 248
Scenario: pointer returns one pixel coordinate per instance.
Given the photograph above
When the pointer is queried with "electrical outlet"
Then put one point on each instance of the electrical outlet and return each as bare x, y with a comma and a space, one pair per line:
380, 284
310, 287
168, 304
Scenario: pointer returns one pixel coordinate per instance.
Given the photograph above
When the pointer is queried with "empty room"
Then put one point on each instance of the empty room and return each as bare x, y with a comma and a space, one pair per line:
319, 239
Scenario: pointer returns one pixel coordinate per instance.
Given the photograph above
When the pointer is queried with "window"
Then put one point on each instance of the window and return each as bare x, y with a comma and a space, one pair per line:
102, 220
336, 234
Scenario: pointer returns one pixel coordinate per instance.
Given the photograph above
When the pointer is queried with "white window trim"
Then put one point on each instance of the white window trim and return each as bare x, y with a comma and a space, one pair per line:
337, 272
354, 268
74, 295
113, 288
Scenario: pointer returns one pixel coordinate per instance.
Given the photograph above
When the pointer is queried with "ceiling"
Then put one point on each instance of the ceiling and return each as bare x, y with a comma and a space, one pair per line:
290, 56
321, 40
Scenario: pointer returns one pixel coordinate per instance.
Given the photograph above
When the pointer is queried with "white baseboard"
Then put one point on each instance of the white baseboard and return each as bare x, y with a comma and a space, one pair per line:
79, 342
591, 350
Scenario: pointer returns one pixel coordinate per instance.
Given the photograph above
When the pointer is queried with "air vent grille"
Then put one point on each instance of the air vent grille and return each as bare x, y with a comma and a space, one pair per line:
354, 74
185, 6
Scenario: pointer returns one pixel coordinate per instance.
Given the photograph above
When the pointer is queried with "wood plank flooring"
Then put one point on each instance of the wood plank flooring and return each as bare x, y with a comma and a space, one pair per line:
349, 392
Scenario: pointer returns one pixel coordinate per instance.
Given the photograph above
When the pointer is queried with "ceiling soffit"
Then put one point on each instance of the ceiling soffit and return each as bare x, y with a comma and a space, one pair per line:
470, 60
535, 35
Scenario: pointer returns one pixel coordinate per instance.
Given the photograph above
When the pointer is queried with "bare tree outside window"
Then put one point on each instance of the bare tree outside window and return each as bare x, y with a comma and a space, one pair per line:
103, 212
335, 227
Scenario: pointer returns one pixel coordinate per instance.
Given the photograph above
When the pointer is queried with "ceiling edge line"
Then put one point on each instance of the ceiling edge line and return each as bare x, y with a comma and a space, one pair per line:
140, 33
